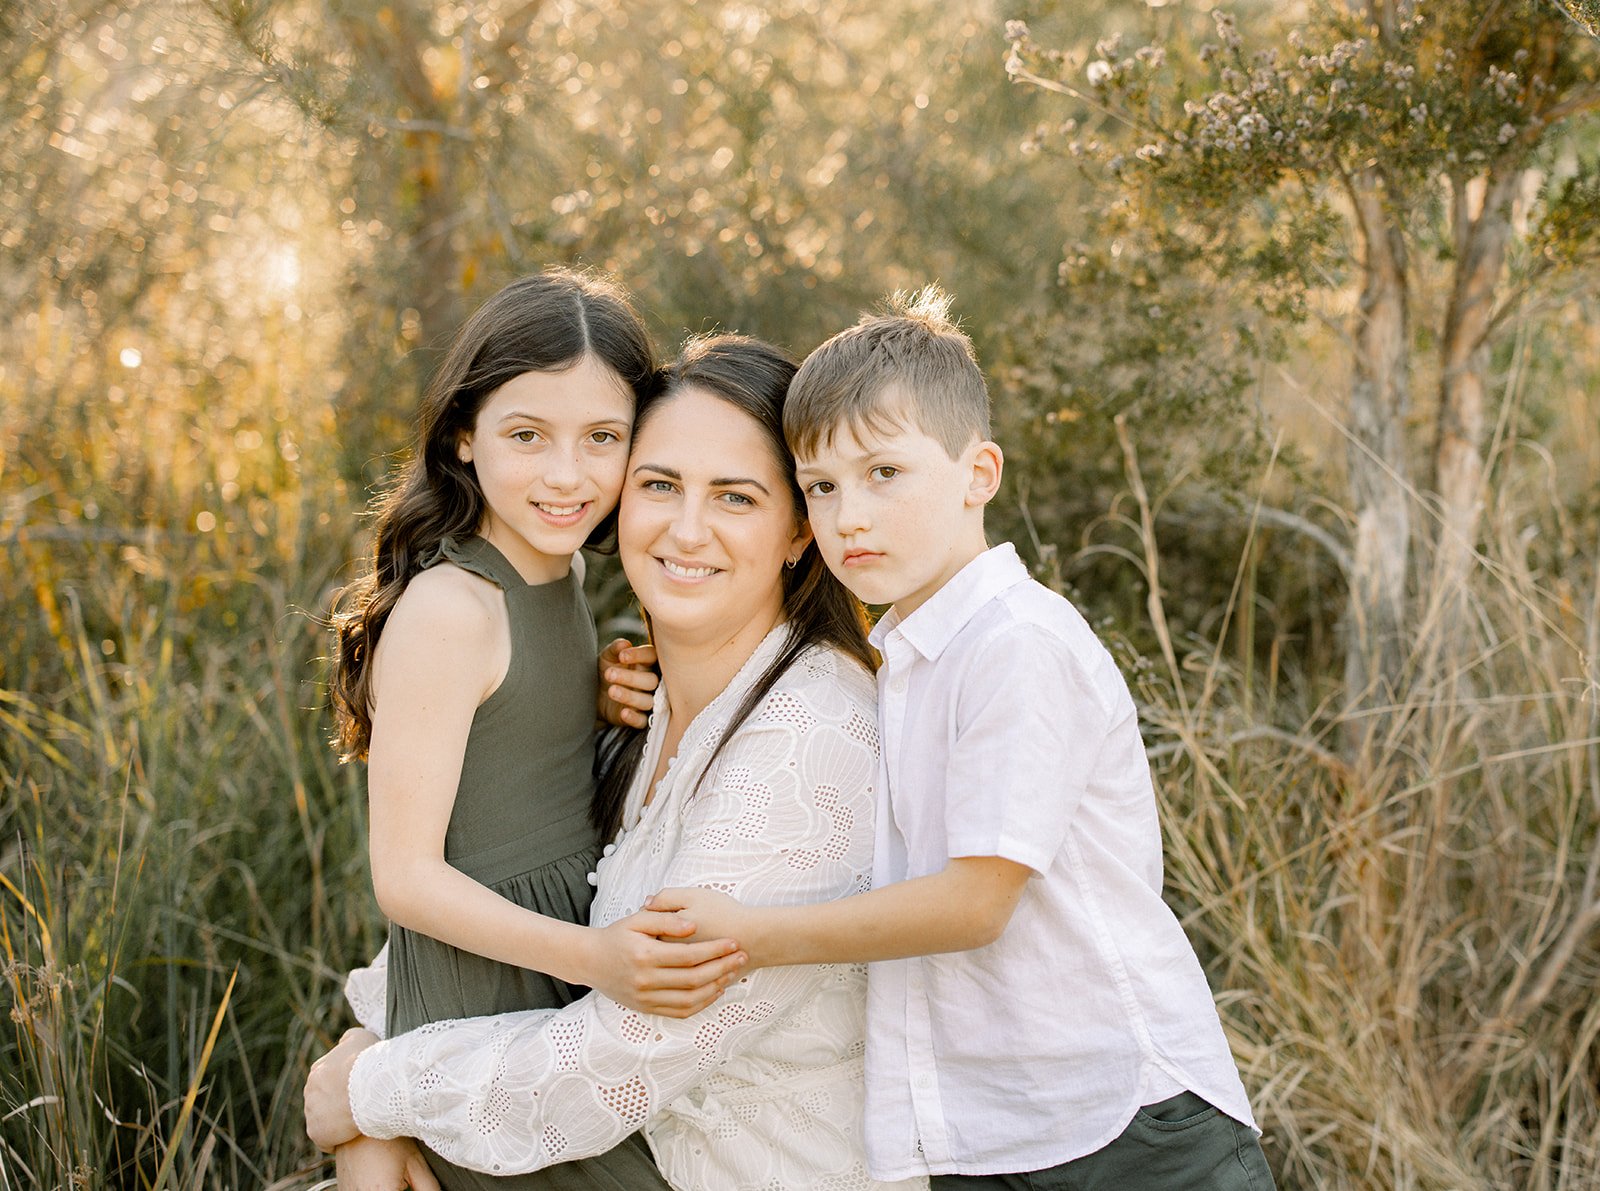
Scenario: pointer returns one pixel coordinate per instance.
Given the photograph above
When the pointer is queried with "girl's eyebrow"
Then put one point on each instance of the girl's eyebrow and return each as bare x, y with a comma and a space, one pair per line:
719, 482
516, 415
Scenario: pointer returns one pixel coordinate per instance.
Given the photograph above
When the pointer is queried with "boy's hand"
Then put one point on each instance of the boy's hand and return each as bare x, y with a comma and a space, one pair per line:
328, 1119
627, 684
367, 1164
713, 913
638, 961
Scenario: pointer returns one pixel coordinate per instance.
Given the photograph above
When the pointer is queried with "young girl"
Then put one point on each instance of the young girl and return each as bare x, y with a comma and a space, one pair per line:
465, 675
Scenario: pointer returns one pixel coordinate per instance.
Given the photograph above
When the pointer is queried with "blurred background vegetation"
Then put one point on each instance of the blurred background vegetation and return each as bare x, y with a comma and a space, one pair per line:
1289, 316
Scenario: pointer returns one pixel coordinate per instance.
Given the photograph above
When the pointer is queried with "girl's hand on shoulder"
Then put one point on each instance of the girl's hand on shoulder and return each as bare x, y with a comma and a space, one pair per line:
368, 1164
638, 962
628, 681
329, 1122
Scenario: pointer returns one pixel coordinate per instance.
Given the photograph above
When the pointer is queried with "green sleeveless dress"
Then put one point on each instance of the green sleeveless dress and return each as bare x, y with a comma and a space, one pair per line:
520, 825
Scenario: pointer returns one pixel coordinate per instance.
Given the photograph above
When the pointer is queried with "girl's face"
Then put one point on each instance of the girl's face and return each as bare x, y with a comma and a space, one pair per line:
707, 521
550, 449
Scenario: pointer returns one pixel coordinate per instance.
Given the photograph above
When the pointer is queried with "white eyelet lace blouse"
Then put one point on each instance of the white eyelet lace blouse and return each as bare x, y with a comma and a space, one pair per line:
763, 1090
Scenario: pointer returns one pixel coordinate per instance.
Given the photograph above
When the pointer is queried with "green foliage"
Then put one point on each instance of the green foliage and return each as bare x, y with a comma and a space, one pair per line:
232, 233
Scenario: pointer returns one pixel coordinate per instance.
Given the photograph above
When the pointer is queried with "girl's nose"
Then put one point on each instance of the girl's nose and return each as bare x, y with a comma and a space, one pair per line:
563, 469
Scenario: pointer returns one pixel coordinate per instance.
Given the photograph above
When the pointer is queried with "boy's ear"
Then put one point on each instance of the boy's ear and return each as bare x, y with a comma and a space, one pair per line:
987, 464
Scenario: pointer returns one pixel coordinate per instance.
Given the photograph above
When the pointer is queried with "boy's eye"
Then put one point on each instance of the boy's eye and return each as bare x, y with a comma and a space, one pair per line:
819, 488
884, 472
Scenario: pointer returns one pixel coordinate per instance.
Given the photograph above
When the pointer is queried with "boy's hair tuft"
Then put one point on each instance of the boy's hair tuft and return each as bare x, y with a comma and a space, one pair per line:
910, 362
930, 305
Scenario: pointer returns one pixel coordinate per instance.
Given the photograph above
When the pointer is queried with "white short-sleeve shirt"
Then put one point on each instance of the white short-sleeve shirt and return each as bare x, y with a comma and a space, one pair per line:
1007, 730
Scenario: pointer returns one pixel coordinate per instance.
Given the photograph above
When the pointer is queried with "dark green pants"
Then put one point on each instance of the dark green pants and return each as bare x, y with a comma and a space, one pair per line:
1181, 1144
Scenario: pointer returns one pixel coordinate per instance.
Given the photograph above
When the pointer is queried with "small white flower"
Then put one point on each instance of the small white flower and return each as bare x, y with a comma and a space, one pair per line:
1099, 72
1016, 30
1507, 131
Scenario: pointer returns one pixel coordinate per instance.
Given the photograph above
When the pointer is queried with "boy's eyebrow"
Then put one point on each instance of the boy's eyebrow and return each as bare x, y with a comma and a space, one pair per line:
673, 473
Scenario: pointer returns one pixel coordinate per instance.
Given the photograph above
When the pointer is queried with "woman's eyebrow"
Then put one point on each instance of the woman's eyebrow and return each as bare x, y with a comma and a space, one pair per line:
673, 473
737, 481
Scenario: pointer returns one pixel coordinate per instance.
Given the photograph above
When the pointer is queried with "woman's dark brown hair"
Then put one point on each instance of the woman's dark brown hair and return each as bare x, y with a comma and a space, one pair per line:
753, 377
548, 322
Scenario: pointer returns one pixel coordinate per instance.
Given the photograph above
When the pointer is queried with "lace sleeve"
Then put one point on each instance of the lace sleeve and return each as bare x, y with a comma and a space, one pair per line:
367, 992
786, 818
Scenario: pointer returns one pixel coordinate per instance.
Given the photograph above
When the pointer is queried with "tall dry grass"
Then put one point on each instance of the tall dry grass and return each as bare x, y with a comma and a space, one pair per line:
1397, 903
1399, 934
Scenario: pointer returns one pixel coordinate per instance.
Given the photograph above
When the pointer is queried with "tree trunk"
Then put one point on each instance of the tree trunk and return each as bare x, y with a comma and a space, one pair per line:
1379, 469
1480, 249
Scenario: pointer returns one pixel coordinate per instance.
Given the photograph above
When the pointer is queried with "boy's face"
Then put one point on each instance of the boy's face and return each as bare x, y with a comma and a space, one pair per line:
894, 516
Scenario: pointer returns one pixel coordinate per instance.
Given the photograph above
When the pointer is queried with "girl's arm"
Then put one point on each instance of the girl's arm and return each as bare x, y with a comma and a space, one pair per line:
444, 650
787, 820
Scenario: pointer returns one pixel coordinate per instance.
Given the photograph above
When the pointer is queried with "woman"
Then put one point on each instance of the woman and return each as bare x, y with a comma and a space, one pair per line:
755, 777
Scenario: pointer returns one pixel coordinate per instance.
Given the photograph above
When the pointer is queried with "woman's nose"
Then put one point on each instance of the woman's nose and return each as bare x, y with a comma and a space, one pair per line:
690, 527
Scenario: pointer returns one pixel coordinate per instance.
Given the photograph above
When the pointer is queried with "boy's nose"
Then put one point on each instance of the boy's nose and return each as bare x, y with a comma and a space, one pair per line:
850, 514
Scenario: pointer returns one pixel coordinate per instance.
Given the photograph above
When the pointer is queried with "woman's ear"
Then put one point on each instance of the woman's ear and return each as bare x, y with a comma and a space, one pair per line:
798, 543
987, 464
464, 448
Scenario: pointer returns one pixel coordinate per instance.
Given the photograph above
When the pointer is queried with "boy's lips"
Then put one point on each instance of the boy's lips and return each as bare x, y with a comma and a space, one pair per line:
854, 558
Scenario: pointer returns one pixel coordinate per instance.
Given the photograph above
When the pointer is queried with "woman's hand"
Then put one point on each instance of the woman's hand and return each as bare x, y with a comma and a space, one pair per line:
628, 680
635, 962
367, 1164
328, 1120
715, 913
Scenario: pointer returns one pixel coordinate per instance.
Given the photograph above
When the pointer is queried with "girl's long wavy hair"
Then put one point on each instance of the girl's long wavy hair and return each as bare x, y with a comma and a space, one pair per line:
753, 377
544, 323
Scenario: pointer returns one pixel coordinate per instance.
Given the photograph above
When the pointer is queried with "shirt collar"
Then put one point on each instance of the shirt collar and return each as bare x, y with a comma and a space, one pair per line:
934, 625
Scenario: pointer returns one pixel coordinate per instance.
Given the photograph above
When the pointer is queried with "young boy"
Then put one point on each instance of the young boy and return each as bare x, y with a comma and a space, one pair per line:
1036, 1017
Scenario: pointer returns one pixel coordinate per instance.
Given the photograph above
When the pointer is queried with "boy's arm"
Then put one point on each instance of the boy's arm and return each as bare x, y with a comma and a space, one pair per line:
963, 907
1031, 727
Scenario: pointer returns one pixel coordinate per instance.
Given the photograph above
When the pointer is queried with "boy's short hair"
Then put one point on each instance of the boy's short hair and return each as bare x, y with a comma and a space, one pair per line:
909, 361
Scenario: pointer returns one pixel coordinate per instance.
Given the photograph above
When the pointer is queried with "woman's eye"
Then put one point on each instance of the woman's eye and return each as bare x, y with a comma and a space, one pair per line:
884, 472
657, 486
737, 498
525, 436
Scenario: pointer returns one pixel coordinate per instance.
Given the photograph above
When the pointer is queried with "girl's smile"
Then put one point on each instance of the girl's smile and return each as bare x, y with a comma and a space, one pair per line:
550, 449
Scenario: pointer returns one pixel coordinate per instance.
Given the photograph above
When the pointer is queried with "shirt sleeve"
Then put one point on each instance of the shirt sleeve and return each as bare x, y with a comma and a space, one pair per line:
1031, 722
784, 819
367, 992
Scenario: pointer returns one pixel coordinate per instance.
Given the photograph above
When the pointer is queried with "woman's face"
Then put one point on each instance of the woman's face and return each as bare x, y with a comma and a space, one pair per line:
707, 521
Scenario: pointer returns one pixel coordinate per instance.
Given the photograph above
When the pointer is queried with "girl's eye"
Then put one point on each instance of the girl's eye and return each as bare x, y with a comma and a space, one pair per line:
884, 472
820, 488
605, 436
525, 435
